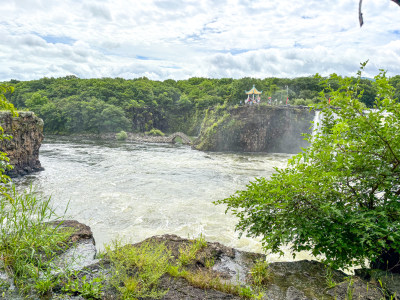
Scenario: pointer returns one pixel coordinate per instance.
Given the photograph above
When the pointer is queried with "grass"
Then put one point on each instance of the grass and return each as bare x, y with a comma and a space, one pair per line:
187, 253
259, 273
137, 270
329, 279
350, 289
88, 289
208, 280
27, 243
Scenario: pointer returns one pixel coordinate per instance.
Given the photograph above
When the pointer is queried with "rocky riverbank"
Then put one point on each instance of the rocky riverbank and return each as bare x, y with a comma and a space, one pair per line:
23, 148
195, 269
139, 138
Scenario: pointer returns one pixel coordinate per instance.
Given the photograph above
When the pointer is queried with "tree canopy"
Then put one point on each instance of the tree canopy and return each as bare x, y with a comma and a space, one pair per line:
65, 104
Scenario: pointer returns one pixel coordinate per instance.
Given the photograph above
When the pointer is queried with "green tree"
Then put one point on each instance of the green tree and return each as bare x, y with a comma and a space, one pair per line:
113, 119
36, 102
91, 115
340, 197
53, 118
4, 105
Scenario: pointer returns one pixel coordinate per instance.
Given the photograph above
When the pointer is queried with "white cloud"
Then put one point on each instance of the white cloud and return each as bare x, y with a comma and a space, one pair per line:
178, 39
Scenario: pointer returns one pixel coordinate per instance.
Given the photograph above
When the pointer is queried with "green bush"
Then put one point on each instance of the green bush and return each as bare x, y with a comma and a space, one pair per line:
155, 132
340, 197
121, 136
299, 102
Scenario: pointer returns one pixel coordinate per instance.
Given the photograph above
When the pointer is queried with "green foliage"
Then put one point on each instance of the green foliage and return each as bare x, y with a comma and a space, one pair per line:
155, 132
113, 119
27, 243
330, 283
121, 136
350, 290
214, 119
4, 104
188, 253
259, 273
4, 166
340, 197
209, 262
72, 105
45, 284
137, 270
305, 102
88, 289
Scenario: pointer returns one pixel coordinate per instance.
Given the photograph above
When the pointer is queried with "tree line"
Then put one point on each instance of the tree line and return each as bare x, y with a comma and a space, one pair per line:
73, 105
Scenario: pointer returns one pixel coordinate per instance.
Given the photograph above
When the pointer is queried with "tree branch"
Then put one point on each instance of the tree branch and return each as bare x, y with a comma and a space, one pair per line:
360, 15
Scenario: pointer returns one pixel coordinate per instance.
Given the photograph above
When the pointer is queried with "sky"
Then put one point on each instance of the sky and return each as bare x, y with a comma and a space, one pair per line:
179, 39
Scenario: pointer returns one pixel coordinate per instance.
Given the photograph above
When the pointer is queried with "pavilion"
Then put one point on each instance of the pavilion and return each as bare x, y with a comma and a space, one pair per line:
253, 92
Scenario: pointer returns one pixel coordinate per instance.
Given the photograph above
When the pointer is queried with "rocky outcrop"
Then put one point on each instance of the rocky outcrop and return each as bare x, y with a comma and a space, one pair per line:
171, 139
214, 271
142, 138
23, 148
388, 280
305, 280
255, 128
81, 251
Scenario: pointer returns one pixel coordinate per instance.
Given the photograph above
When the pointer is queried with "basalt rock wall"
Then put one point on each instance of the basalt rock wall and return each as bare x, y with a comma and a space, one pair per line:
255, 128
23, 148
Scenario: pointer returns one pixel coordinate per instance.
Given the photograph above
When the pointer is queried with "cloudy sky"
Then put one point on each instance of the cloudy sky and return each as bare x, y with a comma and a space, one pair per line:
179, 39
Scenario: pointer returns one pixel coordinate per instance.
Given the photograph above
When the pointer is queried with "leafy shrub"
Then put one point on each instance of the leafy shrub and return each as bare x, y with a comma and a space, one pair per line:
121, 136
299, 102
88, 289
155, 132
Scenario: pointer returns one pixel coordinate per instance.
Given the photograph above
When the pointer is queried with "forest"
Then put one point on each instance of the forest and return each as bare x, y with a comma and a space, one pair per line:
71, 105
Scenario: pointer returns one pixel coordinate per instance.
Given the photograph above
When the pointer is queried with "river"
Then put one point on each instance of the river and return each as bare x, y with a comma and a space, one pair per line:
133, 191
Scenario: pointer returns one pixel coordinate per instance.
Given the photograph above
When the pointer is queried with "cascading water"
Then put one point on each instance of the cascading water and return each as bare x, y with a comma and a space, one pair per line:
317, 122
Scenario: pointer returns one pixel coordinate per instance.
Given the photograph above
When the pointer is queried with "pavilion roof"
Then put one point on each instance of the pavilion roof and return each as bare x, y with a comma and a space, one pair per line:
253, 91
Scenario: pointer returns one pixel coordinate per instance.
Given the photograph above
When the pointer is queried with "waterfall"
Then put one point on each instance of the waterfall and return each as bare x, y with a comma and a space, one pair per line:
316, 123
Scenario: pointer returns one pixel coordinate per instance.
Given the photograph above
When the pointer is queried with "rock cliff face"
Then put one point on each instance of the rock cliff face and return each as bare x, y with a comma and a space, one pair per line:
255, 129
23, 149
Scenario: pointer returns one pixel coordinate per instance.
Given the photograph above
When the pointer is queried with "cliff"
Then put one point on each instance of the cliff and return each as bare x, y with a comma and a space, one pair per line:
255, 128
23, 149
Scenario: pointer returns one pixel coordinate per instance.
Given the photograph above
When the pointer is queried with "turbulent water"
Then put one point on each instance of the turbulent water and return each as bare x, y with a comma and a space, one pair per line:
134, 191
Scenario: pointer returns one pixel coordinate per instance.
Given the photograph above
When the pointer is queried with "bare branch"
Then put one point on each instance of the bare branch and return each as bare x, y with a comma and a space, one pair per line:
360, 15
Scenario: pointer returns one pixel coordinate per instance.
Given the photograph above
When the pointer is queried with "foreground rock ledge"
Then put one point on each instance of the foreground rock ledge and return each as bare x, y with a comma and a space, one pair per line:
301, 280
